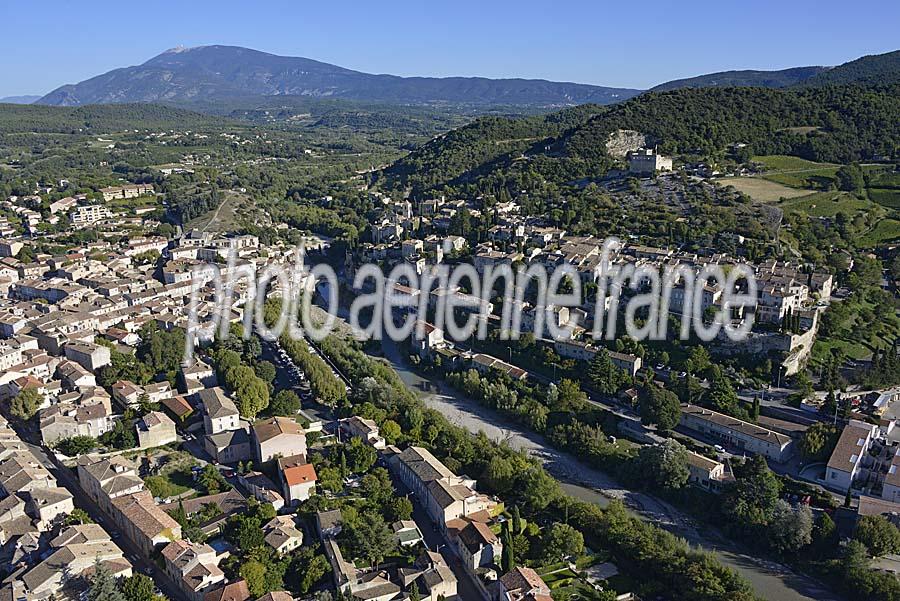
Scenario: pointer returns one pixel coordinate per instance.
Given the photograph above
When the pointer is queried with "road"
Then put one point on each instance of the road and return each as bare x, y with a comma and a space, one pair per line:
284, 379
771, 580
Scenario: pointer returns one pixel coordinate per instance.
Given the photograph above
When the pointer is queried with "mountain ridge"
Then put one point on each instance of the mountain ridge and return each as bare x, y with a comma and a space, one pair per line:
225, 71
20, 99
781, 78
872, 69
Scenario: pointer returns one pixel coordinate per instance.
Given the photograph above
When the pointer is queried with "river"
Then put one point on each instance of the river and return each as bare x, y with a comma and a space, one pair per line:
770, 580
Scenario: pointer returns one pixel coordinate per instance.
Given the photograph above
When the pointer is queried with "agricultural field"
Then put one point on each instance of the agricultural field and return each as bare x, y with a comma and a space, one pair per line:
798, 173
886, 197
826, 204
887, 230
761, 190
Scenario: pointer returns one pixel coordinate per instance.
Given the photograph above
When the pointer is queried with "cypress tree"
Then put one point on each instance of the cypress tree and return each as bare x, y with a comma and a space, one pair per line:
517, 521
507, 559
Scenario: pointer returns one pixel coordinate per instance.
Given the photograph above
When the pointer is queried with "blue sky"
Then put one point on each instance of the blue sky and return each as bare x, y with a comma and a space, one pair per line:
47, 43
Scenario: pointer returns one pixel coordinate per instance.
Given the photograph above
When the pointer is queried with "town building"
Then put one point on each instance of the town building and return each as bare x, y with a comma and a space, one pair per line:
193, 567
278, 436
365, 429
743, 436
645, 162
707, 473
298, 479
155, 430
220, 412
444, 495
125, 192
522, 584
478, 546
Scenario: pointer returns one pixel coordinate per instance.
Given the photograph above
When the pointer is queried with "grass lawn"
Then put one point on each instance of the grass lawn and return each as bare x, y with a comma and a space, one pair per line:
169, 485
811, 178
883, 177
559, 578
174, 476
761, 190
132, 204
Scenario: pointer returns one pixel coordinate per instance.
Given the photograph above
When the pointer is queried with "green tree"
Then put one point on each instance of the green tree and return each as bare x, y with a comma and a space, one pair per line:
265, 371
360, 456
819, 441
103, 585
723, 398
254, 573
562, 540
659, 406
663, 465
517, 525
537, 488
138, 588
331, 479
121, 436
751, 500
603, 375
699, 359
391, 431
507, 557
571, 398
399, 508
377, 486
78, 516
824, 534
212, 480
878, 535
369, 538
851, 178
76, 445
25, 404
315, 570
790, 528
252, 396
285, 402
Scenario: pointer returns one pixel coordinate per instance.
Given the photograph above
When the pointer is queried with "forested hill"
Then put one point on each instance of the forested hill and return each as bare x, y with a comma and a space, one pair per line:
478, 145
725, 79
876, 69
850, 123
99, 118
832, 123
